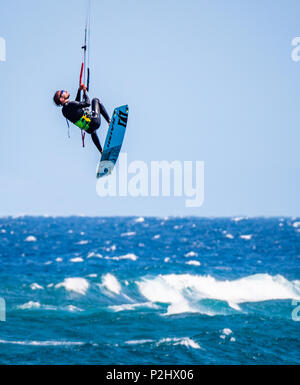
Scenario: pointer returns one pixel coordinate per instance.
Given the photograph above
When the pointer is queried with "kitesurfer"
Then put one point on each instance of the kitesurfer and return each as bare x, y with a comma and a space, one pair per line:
79, 114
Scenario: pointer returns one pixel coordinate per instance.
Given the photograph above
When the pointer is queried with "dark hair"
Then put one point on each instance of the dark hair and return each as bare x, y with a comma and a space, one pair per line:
56, 99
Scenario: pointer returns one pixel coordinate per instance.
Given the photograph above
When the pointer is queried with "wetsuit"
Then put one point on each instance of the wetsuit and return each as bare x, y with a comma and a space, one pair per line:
78, 113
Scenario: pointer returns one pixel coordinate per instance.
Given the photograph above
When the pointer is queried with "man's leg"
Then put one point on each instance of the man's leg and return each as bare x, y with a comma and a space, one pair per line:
96, 141
96, 109
95, 123
99, 109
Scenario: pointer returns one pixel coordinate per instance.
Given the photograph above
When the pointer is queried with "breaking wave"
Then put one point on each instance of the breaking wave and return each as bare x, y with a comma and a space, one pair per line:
77, 285
185, 292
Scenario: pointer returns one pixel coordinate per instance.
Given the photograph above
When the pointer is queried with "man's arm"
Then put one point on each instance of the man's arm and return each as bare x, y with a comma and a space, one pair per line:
85, 103
78, 96
86, 98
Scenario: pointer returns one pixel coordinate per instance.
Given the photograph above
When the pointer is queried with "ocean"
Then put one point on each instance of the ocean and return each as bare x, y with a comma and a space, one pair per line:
127, 290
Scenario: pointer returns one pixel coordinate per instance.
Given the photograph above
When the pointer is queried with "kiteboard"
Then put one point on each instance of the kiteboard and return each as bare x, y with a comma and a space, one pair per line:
113, 141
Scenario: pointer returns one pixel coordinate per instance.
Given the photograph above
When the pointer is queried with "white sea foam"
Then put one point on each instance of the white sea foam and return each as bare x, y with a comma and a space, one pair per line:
59, 259
131, 256
30, 238
133, 306
128, 234
247, 237
78, 285
94, 255
193, 263
138, 342
296, 224
158, 290
111, 283
36, 305
49, 307
238, 219
140, 220
30, 305
183, 292
227, 331
83, 242
229, 236
41, 343
185, 341
73, 308
184, 306
36, 286
191, 254
76, 260
111, 248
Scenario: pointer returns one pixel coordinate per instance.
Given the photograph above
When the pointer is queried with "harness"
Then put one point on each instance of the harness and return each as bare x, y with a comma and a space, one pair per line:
84, 124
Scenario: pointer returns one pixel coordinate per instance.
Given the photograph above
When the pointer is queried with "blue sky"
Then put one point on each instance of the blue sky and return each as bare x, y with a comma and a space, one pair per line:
205, 80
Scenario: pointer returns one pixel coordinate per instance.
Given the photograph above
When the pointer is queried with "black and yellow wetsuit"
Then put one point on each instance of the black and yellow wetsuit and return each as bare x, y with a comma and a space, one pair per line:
79, 114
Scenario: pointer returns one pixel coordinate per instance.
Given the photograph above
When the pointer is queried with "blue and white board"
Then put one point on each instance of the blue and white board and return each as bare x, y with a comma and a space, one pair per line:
113, 141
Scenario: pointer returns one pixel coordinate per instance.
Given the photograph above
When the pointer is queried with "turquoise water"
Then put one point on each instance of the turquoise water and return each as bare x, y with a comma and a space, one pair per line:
150, 290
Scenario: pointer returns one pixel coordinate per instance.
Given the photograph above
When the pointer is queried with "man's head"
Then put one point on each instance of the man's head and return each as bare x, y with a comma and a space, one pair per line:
61, 97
